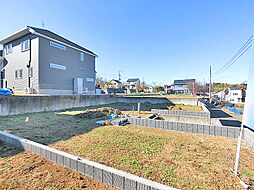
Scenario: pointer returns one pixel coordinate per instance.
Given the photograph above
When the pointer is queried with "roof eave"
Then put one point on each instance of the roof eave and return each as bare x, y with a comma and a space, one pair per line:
15, 35
52, 39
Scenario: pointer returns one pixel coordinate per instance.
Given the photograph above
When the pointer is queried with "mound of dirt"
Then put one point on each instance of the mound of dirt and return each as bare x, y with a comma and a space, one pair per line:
98, 113
174, 108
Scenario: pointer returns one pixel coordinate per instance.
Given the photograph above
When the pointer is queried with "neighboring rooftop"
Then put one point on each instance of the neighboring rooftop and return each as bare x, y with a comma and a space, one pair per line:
116, 80
184, 82
234, 88
43, 33
133, 80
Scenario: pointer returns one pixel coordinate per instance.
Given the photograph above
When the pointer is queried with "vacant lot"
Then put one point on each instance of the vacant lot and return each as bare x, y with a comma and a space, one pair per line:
186, 161
181, 160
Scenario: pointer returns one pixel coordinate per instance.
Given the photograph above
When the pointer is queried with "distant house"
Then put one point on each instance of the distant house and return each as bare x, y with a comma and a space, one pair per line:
38, 61
235, 95
115, 84
180, 86
220, 94
148, 89
132, 83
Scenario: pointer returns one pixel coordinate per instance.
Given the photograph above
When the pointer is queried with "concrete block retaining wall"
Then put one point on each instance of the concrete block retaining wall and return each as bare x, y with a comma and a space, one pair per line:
104, 174
248, 137
182, 113
12, 105
224, 131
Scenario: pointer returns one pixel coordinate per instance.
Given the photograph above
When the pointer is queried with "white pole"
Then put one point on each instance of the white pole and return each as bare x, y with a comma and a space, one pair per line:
238, 150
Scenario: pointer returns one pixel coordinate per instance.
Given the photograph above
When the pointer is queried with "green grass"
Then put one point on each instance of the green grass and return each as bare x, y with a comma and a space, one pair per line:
181, 160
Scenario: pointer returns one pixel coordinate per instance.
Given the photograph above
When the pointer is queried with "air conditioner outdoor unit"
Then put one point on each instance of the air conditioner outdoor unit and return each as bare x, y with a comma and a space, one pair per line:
29, 90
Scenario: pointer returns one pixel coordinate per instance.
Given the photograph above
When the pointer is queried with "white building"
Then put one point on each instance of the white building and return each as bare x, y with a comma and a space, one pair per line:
234, 95
132, 83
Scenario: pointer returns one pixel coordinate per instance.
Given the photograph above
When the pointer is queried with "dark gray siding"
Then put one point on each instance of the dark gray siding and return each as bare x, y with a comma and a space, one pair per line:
19, 60
55, 81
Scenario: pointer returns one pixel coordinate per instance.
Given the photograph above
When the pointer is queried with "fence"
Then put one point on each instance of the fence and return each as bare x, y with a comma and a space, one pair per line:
224, 131
181, 113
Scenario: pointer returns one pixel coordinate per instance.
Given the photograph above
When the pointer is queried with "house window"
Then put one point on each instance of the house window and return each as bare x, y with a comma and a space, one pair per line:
6, 86
56, 66
16, 75
89, 79
57, 45
30, 72
82, 56
8, 49
25, 45
20, 74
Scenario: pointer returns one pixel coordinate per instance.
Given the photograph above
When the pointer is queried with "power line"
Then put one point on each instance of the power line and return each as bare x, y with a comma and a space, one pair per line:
236, 55
235, 60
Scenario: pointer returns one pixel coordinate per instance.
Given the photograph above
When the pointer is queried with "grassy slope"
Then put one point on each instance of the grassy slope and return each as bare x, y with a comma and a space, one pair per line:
181, 160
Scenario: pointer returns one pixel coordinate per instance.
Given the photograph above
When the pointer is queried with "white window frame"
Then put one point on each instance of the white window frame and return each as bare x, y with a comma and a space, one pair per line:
56, 45
57, 66
25, 45
89, 80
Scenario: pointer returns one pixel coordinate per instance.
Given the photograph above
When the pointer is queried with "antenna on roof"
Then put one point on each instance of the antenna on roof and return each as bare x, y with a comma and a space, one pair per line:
42, 24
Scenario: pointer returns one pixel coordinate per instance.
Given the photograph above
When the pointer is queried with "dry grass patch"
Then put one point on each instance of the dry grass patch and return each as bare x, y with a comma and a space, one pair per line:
181, 160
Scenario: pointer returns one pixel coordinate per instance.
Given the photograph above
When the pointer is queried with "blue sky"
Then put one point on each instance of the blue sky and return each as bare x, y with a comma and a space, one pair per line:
157, 41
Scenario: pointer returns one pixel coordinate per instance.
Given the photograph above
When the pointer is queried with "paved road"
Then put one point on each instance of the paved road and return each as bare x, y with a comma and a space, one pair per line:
225, 118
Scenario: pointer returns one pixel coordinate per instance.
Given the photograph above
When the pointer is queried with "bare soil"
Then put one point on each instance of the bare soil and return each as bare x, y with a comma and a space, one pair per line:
30, 171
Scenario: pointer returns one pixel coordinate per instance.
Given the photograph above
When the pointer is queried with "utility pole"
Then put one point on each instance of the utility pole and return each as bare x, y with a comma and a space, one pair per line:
210, 85
119, 75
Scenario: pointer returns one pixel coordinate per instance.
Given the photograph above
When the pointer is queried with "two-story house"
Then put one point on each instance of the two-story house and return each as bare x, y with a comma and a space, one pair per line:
234, 95
181, 86
38, 61
115, 84
132, 83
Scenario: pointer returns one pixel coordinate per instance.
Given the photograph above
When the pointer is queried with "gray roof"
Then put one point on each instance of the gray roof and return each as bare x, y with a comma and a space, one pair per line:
184, 82
234, 88
116, 80
45, 33
133, 80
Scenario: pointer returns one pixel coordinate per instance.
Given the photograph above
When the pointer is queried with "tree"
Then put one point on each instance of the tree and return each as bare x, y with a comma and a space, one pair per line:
159, 88
198, 88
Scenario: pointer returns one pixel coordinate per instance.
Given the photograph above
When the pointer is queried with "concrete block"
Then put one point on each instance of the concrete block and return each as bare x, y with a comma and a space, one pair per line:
74, 162
237, 132
89, 170
194, 128
98, 174
146, 122
165, 125
141, 186
231, 132
224, 131
107, 177
153, 124
212, 130
118, 181
174, 126
67, 160
206, 129
130, 184
200, 129
159, 124
218, 131
81, 166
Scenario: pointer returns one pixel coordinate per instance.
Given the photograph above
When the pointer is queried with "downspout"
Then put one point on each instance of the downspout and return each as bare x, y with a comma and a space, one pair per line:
29, 63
